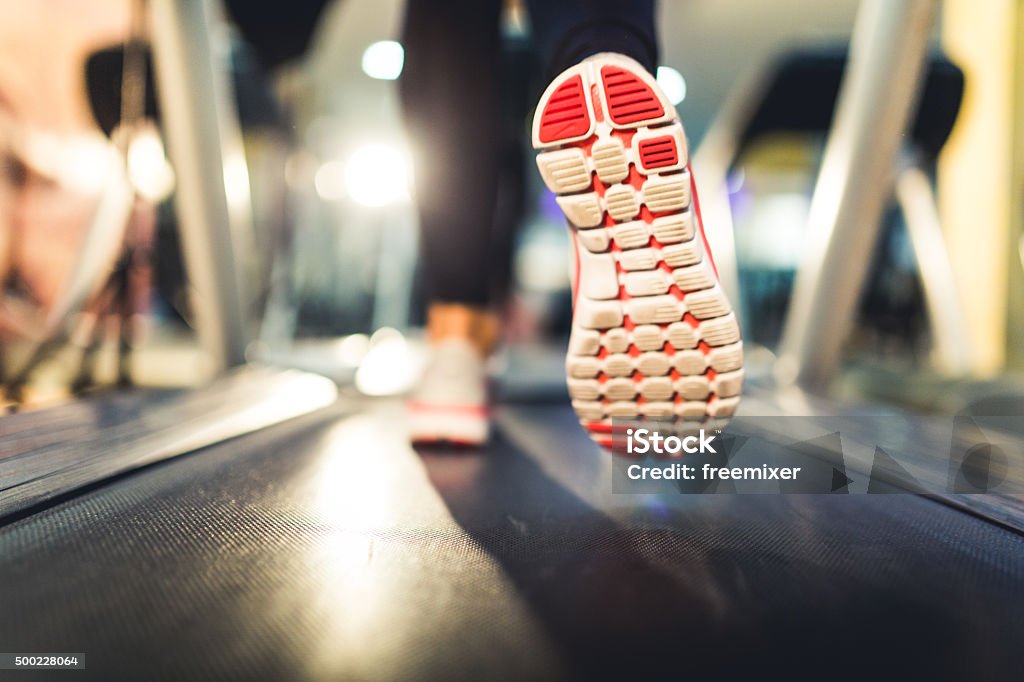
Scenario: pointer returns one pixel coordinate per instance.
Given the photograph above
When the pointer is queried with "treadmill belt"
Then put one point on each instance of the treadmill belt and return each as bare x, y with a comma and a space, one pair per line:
329, 549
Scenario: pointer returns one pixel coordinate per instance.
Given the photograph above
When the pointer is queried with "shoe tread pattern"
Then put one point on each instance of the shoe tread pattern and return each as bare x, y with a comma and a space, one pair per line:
655, 336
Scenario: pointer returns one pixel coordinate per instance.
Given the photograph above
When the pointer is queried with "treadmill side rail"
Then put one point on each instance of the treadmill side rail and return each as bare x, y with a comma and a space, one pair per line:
49, 453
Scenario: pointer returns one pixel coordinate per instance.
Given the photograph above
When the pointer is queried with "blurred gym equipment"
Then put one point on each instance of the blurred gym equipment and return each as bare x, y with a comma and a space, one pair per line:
879, 91
264, 527
887, 68
102, 281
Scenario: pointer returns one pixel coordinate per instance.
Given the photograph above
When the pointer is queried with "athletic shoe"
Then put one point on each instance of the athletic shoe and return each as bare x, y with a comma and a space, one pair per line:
653, 334
449, 405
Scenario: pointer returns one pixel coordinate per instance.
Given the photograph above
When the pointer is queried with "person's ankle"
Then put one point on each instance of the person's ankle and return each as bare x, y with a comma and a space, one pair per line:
476, 325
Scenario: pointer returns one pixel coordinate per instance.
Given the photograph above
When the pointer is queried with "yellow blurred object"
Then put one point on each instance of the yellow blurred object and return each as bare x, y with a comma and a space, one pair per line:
976, 182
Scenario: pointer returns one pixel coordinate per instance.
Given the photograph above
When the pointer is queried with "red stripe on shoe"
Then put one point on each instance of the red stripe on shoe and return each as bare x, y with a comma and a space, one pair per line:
658, 152
700, 221
565, 115
629, 98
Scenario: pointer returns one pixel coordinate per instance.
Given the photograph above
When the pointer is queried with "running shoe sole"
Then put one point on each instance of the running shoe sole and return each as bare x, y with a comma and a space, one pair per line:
462, 425
653, 334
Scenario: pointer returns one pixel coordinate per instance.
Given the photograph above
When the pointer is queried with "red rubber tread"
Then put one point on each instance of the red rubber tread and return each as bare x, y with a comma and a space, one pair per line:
658, 152
629, 98
565, 115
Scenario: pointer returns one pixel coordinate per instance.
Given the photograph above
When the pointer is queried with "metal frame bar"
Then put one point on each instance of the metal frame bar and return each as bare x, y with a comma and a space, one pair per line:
878, 95
951, 342
711, 162
204, 145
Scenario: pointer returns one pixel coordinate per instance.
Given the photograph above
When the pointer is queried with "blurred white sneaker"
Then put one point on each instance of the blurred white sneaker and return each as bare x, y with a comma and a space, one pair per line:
450, 402
653, 334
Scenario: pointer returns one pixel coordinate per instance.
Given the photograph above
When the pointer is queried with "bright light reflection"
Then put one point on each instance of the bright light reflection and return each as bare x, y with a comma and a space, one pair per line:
329, 181
384, 60
390, 366
354, 491
378, 175
148, 169
354, 497
236, 180
352, 349
672, 83
86, 163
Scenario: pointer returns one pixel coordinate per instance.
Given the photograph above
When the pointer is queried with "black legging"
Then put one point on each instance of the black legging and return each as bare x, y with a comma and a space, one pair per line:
450, 90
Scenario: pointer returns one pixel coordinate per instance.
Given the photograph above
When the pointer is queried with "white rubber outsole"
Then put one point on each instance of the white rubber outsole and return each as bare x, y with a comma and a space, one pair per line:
445, 424
653, 334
